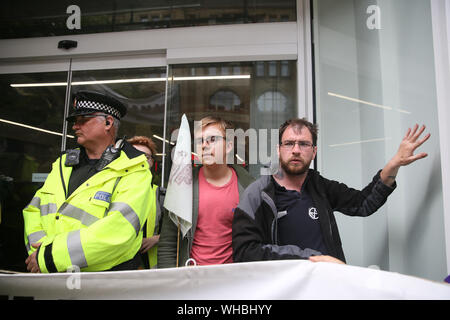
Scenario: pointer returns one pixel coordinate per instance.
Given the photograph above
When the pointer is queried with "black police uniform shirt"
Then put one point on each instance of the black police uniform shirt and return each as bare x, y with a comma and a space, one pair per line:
298, 222
81, 172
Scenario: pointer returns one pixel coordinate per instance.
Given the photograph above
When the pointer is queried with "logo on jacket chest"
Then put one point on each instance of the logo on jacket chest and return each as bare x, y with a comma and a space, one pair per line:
103, 196
313, 213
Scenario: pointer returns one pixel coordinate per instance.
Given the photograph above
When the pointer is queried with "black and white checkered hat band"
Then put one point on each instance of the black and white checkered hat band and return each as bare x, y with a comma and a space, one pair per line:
98, 106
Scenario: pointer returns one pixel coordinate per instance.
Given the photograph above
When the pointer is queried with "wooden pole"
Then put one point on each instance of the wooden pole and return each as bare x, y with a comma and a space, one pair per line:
178, 245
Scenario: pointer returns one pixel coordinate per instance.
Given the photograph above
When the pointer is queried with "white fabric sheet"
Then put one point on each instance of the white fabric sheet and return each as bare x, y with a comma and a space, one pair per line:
270, 280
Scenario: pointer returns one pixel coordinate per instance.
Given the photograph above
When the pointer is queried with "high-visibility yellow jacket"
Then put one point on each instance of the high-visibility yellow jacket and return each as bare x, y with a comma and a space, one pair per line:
99, 225
153, 226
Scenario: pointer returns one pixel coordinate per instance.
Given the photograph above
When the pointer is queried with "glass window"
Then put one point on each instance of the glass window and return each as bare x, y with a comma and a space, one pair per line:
271, 101
32, 121
284, 68
272, 68
31, 124
24, 19
225, 71
375, 79
260, 69
212, 71
225, 100
233, 99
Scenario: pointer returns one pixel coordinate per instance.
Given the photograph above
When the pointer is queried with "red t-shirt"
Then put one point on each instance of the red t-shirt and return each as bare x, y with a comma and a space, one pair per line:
212, 238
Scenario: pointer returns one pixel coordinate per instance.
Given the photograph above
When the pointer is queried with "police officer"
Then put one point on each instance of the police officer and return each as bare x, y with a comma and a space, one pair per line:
89, 213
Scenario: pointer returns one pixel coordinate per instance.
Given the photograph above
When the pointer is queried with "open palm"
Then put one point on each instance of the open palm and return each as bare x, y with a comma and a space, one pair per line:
405, 154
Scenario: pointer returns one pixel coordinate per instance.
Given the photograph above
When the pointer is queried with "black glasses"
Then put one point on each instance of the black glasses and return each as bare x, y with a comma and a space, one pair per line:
209, 140
290, 144
85, 117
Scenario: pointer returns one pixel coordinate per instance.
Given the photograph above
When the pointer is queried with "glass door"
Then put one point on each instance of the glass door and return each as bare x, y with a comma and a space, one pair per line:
31, 131
254, 95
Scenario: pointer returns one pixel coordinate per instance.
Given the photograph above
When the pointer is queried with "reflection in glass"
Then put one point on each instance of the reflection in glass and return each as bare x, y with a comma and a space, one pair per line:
271, 101
144, 100
224, 100
31, 122
232, 99
24, 19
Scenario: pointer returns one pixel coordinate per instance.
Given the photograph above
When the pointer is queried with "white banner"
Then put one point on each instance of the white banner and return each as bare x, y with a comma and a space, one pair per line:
178, 198
269, 280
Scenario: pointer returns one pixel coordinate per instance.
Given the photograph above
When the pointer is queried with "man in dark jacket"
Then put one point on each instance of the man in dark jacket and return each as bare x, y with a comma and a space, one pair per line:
290, 215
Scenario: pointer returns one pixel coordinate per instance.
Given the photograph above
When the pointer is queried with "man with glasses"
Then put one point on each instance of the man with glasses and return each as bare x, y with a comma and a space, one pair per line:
290, 215
217, 188
88, 216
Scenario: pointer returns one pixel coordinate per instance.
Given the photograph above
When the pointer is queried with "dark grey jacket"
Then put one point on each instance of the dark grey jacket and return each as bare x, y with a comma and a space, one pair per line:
255, 219
167, 246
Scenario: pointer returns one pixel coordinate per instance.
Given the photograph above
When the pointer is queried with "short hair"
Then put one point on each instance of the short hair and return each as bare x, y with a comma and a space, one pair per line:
299, 124
116, 125
212, 120
144, 141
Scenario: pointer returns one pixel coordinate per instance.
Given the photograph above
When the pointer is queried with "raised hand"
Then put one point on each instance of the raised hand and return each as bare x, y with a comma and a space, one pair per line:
405, 154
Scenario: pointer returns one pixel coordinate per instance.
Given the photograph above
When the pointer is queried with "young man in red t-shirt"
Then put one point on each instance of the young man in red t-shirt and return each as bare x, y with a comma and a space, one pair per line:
216, 190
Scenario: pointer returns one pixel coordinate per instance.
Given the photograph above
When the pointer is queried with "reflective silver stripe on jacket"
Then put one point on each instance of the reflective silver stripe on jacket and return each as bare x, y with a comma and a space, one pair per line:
84, 217
33, 238
75, 249
36, 236
45, 208
35, 202
48, 208
128, 213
